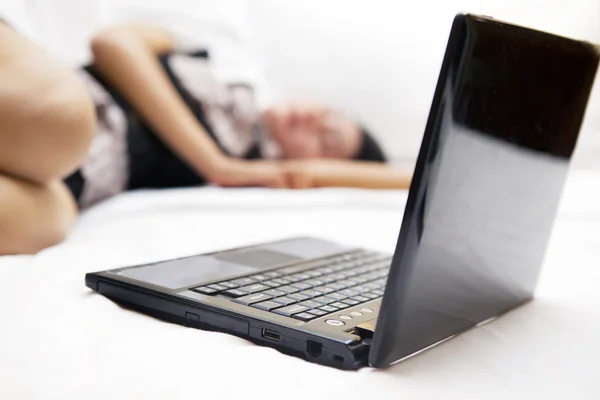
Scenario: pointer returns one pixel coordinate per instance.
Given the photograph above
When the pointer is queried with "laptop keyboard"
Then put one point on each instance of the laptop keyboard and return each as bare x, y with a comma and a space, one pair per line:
310, 290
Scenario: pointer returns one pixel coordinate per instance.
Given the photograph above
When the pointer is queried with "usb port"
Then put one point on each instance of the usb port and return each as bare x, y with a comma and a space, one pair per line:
271, 335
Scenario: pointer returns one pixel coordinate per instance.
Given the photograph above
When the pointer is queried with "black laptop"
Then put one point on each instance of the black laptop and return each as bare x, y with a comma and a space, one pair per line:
503, 125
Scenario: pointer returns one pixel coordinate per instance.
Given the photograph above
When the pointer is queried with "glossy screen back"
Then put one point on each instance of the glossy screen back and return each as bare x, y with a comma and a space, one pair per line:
503, 125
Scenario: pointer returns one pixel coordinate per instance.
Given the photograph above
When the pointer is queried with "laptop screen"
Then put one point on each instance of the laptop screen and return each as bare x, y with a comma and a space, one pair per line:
502, 129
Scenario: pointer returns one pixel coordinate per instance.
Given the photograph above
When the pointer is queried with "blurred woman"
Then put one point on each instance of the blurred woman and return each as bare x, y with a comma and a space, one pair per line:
144, 115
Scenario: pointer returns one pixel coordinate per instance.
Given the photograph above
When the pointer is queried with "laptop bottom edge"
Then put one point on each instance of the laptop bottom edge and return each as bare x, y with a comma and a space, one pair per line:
285, 340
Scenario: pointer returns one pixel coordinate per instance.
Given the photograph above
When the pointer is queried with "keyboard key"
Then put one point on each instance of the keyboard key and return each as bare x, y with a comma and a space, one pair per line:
337, 296
257, 287
301, 285
371, 285
253, 298
267, 305
304, 316
260, 277
373, 267
360, 299
273, 274
285, 301
324, 300
298, 296
360, 279
235, 293
347, 283
291, 310
349, 292
292, 278
218, 288
288, 289
350, 302
338, 277
316, 312
370, 276
325, 289
327, 279
274, 292
311, 304
339, 305
314, 282
336, 286
243, 281
270, 284
314, 273
229, 285
302, 276
294, 269
378, 257
378, 292
281, 281
371, 296
205, 290
327, 270
311, 293
360, 289
328, 309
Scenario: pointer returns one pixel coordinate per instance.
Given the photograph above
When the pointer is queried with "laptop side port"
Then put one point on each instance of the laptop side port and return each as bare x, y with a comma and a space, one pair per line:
337, 358
315, 349
270, 335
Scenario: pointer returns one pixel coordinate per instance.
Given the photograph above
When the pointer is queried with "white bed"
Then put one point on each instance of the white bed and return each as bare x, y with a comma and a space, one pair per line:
61, 341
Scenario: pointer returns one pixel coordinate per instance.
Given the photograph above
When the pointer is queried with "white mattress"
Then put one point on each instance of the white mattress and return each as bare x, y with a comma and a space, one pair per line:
58, 340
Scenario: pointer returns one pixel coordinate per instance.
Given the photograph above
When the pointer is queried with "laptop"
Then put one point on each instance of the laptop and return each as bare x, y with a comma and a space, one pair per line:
502, 128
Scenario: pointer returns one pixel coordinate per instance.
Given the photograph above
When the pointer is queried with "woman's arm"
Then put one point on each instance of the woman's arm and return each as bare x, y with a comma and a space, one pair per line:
345, 173
127, 56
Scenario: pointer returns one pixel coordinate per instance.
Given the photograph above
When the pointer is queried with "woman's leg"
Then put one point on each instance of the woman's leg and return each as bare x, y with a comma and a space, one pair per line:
33, 216
46, 125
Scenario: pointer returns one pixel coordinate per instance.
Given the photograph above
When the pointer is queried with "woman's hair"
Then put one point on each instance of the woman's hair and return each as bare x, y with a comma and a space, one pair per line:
369, 149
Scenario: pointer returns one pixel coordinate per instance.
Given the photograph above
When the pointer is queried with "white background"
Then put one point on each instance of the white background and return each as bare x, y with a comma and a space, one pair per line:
375, 59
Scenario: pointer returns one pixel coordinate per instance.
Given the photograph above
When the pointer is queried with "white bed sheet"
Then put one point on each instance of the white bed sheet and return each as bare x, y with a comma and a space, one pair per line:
58, 340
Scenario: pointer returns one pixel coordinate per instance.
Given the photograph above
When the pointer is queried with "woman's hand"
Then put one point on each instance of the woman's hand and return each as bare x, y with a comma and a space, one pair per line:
305, 174
234, 172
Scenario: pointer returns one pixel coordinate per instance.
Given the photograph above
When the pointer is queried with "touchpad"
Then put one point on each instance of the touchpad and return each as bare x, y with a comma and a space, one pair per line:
197, 270
186, 272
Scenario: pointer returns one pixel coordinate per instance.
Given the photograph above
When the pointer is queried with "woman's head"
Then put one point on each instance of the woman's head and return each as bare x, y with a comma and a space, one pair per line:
310, 131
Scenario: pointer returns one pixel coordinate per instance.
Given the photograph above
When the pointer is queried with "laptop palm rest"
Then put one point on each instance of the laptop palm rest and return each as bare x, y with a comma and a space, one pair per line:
196, 270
